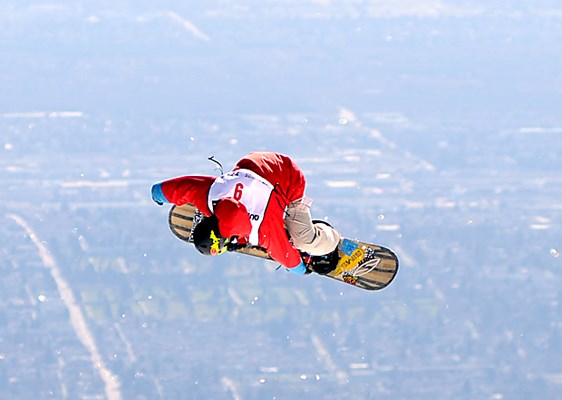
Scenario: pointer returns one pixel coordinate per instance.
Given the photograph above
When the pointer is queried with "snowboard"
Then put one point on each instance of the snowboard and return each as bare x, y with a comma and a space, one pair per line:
363, 265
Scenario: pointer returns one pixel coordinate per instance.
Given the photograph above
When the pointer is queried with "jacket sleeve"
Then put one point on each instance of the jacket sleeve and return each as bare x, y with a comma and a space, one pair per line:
284, 252
189, 189
276, 240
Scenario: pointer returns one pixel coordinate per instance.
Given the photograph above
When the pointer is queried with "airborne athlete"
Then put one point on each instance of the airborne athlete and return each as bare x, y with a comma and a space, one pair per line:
261, 202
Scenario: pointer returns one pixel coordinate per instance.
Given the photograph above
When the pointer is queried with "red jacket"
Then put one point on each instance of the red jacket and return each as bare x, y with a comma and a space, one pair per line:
288, 185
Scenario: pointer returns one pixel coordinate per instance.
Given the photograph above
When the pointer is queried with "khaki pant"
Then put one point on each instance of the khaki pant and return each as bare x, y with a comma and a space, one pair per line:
314, 239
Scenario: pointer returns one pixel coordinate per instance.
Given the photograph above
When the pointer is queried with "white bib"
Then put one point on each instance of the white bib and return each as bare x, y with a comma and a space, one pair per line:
248, 188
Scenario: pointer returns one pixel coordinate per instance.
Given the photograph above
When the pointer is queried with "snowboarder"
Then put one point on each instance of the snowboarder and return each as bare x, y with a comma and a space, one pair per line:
260, 202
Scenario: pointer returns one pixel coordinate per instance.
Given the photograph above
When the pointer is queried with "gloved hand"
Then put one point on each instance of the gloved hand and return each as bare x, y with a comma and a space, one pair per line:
299, 269
157, 195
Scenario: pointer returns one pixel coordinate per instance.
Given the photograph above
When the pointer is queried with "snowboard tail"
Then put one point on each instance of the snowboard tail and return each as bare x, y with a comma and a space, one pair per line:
360, 264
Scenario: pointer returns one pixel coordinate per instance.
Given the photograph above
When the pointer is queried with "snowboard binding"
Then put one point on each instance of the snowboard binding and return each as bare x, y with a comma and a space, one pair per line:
323, 264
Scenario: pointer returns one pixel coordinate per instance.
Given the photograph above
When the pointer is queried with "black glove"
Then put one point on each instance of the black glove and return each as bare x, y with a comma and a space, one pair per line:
235, 246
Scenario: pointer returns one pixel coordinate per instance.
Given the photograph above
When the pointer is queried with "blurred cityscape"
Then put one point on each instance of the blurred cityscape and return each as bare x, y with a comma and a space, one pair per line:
432, 128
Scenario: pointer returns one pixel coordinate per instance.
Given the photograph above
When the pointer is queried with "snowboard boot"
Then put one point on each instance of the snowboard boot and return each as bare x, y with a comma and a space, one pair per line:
326, 263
